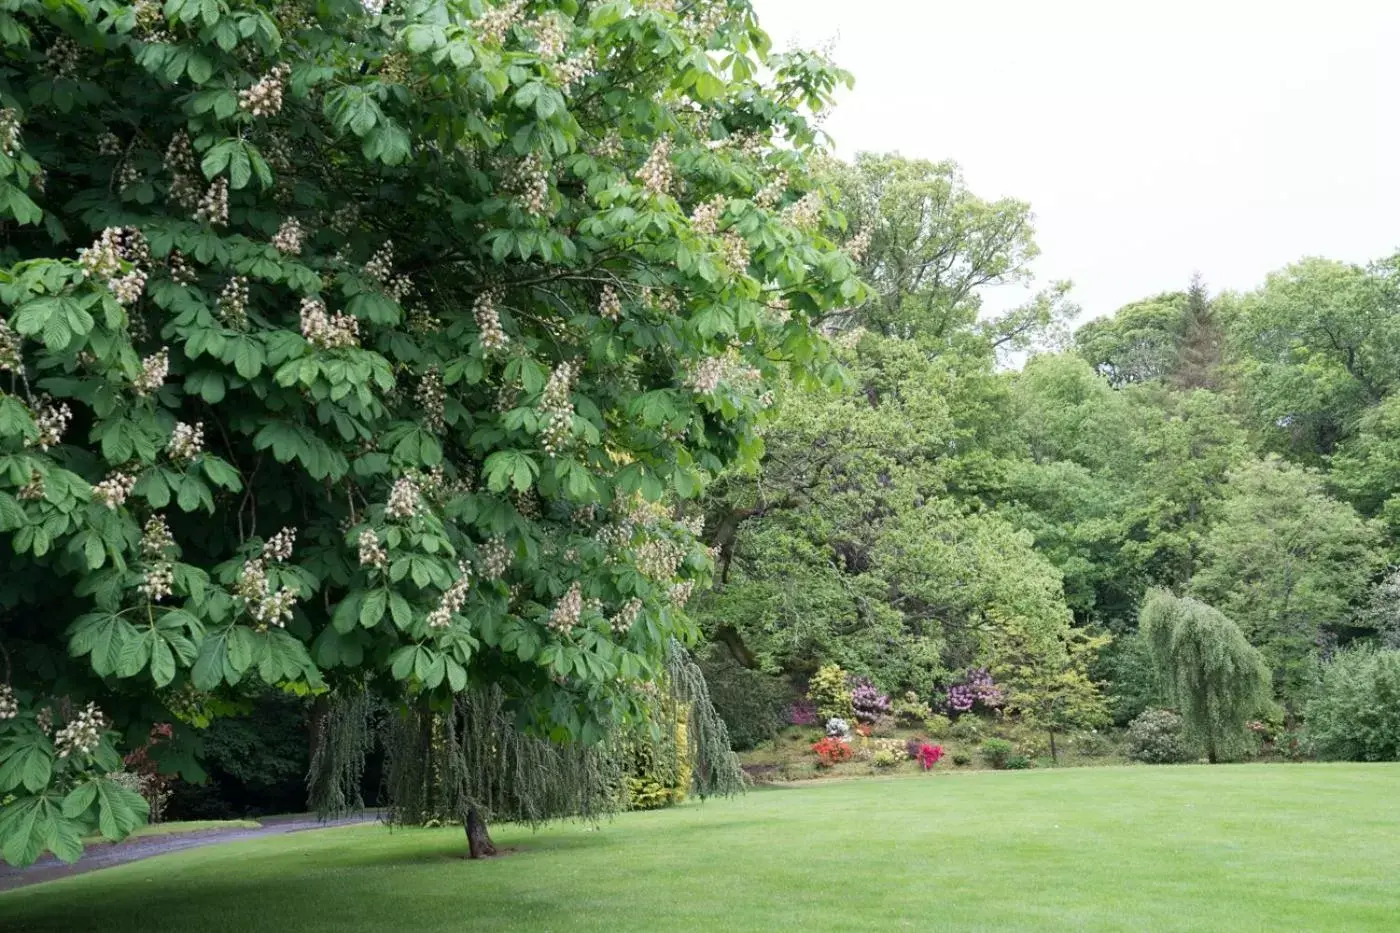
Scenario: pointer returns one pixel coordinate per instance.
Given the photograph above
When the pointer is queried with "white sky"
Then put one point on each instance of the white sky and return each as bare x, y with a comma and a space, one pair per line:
1151, 139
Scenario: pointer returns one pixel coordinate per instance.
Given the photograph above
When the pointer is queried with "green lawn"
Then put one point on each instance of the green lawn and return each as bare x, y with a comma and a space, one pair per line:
177, 827
1228, 848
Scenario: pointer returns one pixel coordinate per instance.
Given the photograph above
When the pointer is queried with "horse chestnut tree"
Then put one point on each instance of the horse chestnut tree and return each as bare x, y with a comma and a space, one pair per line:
343, 340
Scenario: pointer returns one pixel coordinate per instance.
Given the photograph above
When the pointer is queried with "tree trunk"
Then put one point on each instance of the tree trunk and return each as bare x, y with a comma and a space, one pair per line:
318, 777
1054, 753
479, 842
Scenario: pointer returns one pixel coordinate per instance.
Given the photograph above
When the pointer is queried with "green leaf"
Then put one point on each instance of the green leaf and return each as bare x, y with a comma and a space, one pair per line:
347, 613
401, 662
162, 663
79, 799
240, 167
94, 552
400, 610
29, 764
372, 609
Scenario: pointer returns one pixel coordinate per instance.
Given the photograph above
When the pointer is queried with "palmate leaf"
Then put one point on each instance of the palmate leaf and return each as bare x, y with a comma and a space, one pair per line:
30, 825
27, 762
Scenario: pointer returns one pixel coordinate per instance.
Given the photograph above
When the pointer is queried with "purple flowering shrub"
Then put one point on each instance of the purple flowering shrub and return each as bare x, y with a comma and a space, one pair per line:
977, 688
803, 713
867, 701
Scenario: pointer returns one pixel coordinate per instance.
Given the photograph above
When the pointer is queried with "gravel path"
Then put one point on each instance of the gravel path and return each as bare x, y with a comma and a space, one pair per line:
103, 855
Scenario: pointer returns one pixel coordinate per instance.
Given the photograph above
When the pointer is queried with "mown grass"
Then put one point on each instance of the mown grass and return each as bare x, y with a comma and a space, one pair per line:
1226, 848
177, 827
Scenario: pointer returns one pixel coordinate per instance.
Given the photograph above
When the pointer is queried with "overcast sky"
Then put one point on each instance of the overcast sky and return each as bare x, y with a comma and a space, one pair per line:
1151, 140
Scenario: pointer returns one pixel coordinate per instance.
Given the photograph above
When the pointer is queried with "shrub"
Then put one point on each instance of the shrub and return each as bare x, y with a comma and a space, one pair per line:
867, 701
750, 703
976, 689
884, 758
829, 692
939, 726
929, 755
997, 752
803, 713
1355, 713
883, 725
962, 758
911, 711
838, 728
1018, 763
966, 729
1155, 737
831, 751
1093, 744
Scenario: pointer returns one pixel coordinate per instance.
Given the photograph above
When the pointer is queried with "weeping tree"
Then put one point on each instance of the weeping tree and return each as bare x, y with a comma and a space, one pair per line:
348, 342
472, 758
1214, 676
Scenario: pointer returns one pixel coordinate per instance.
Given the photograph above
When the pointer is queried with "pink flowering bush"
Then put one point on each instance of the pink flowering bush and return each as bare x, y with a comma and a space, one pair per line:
929, 755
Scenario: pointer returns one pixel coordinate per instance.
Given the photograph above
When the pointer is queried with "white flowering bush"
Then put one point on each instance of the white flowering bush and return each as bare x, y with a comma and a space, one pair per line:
350, 338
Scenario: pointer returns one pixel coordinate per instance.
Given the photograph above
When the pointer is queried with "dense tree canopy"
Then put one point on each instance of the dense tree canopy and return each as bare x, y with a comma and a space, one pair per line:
1235, 447
345, 341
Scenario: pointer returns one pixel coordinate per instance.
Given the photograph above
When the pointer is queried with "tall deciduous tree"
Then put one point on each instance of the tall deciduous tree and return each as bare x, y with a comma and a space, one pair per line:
1215, 677
1316, 346
1288, 563
396, 326
930, 243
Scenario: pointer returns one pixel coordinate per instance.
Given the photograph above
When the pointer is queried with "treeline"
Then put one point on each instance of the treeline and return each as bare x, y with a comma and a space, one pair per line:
947, 511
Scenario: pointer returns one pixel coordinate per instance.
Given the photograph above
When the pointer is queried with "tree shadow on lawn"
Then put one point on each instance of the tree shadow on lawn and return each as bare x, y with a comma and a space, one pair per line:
328, 900
353, 882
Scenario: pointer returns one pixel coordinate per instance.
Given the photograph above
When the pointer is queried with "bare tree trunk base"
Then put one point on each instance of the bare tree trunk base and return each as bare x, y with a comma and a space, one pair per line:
479, 844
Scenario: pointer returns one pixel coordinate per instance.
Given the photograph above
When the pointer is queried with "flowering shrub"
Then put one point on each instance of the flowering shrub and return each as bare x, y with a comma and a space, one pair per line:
976, 688
838, 728
929, 755
868, 702
1155, 738
863, 730
803, 713
884, 758
831, 751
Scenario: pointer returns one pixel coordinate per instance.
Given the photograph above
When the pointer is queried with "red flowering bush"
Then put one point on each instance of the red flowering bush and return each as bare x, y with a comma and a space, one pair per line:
929, 754
831, 751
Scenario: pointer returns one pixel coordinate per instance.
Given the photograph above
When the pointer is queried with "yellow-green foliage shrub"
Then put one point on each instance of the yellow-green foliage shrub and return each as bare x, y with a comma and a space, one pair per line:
830, 693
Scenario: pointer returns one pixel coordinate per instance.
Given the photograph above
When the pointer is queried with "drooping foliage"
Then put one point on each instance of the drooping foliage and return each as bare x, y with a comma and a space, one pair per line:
1214, 676
473, 759
346, 339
